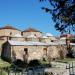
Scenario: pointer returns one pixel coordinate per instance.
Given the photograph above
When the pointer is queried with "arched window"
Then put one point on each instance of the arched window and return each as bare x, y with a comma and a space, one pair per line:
45, 51
26, 51
9, 38
25, 55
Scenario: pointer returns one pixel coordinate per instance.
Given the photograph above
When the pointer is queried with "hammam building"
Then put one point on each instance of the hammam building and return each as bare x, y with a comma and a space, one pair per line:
28, 44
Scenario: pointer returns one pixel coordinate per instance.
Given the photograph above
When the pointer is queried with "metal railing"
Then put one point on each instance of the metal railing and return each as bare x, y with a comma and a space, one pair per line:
71, 68
29, 71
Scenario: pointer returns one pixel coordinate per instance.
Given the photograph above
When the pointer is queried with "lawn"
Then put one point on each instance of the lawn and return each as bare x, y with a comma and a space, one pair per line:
3, 73
66, 60
4, 64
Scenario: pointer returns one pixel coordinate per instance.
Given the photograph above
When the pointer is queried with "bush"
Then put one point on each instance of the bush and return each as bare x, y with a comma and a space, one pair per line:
46, 73
34, 63
6, 59
19, 64
71, 54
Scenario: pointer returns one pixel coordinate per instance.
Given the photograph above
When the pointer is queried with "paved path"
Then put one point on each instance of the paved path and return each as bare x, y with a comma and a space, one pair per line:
57, 71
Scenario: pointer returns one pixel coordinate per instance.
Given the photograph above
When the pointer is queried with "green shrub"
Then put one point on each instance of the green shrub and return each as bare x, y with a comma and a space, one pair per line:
6, 59
4, 64
46, 73
34, 63
19, 64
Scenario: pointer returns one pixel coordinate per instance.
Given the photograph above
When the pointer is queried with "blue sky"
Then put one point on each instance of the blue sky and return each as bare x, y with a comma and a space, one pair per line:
26, 13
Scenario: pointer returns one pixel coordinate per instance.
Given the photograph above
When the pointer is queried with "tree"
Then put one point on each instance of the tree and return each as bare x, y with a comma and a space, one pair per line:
63, 14
62, 51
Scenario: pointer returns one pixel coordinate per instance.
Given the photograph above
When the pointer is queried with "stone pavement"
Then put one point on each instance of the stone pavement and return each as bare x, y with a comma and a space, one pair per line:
58, 68
57, 71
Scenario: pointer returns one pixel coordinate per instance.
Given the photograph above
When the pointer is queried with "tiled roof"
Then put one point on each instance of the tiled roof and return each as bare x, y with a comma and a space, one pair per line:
9, 27
31, 30
65, 35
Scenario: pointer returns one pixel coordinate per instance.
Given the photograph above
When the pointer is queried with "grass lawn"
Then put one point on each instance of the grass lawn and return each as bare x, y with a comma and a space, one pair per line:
4, 64
3, 73
44, 62
66, 60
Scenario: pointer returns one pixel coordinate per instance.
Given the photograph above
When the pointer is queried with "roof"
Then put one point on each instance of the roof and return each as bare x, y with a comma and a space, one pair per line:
60, 42
9, 27
65, 35
52, 43
31, 30
30, 43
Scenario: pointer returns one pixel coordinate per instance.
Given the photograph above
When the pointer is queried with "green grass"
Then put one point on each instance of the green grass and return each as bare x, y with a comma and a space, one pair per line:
66, 60
3, 73
4, 64
44, 62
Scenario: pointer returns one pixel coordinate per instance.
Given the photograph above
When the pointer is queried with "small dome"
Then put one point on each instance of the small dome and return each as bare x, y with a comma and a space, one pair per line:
49, 34
44, 37
31, 30
18, 35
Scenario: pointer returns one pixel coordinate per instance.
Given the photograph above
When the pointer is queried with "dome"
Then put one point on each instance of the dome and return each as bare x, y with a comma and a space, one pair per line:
31, 30
18, 35
44, 37
49, 34
9, 27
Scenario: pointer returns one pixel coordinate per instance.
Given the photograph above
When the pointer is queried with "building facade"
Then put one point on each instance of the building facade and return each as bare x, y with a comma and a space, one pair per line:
28, 45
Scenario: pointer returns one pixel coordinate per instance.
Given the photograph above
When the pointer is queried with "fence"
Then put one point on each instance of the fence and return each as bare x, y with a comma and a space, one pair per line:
32, 71
35, 71
71, 68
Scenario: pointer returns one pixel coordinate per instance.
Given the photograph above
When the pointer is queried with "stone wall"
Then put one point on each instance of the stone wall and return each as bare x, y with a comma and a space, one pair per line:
1, 43
25, 34
53, 52
18, 38
34, 52
8, 32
